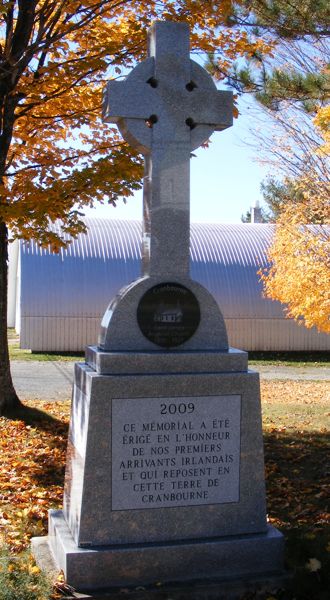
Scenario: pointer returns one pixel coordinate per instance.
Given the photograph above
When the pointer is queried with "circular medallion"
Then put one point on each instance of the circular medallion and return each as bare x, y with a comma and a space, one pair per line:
168, 314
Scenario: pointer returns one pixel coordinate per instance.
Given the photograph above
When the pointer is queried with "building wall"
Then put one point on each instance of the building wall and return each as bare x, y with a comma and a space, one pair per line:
62, 297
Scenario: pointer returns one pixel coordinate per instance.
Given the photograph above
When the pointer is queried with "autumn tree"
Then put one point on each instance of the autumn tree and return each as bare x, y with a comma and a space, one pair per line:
299, 271
292, 87
51, 57
299, 255
55, 154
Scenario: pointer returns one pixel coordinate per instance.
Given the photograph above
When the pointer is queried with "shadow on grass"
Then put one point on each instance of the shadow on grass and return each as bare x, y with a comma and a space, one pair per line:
297, 471
49, 466
32, 416
294, 357
52, 473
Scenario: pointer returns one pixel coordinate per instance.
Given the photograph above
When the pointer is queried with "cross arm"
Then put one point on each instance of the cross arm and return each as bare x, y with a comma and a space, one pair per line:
224, 102
130, 98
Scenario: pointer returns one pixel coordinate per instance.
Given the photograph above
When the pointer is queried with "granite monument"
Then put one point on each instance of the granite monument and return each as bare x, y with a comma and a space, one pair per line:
165, 472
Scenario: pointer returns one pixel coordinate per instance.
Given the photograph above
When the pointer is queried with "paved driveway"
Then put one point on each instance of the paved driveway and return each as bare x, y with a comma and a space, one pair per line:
52, 380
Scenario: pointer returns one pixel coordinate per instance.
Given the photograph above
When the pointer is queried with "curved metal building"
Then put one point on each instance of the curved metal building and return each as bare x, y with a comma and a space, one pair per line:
61, 299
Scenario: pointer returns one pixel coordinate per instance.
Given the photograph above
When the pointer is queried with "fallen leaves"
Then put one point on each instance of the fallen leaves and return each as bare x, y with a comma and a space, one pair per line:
21, 578
313, 565
31, 478
297, 405
33, 462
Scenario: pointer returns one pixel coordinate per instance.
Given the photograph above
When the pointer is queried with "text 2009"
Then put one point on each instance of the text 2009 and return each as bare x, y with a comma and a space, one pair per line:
173, 409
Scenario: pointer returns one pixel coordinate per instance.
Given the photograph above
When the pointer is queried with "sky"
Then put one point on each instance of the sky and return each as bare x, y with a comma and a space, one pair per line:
224, 178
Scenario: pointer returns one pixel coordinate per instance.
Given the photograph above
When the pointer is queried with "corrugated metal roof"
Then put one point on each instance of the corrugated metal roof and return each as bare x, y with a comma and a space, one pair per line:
82, 278
79, 282
226, 259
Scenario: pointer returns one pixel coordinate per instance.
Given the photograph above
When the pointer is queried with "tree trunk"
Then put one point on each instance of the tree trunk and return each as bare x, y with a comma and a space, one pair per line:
8, 398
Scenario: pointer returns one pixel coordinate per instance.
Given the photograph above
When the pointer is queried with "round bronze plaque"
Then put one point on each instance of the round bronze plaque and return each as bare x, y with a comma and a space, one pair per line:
168, 314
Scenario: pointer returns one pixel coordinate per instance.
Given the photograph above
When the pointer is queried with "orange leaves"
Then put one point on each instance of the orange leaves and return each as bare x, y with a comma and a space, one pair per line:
300, 257
59, 188
33, 458
303, 405
31, 478
21, 578
322, 121
313, 565
58, 137
296, 454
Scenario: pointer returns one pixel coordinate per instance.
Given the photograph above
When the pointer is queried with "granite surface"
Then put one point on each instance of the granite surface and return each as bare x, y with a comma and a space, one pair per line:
87, 499
132, 565
120, 331
176, 361
167, 106
173, 88
165, 472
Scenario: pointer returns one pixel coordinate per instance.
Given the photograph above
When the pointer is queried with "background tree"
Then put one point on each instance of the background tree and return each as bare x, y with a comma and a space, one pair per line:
299, 255
262, 216
55, 154
283, 19
301, 279
277, 194
292, 87
246, 218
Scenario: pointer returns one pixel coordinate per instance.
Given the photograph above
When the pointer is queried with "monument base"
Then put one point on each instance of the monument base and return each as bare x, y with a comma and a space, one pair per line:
164, 488
232, 557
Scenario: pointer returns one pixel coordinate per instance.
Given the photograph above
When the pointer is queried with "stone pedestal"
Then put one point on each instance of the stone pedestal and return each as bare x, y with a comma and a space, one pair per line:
164, 487
233, 558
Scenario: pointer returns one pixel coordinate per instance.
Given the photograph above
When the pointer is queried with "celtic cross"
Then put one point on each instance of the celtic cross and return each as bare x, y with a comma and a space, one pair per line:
166, 107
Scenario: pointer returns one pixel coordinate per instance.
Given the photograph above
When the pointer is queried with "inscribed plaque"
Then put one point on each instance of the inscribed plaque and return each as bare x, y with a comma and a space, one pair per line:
175, 451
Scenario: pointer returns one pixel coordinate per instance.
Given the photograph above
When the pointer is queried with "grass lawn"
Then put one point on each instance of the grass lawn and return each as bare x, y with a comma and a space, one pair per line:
17, 353
290, 359
296, 437
296, 424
